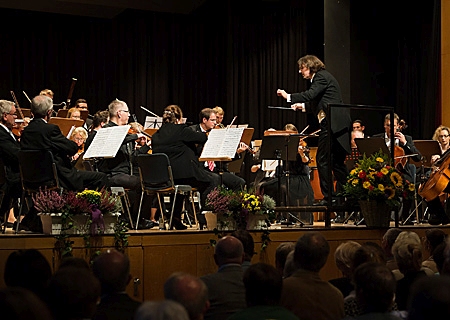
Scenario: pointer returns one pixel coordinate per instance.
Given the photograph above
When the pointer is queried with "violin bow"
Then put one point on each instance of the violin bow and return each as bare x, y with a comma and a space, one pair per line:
69, 96
28, 98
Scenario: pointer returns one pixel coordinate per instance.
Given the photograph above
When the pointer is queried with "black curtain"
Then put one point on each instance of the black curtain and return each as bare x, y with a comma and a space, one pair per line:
231, 54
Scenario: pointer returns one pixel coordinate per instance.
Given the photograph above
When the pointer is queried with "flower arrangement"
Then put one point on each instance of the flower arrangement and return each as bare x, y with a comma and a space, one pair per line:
374, 178
239, 205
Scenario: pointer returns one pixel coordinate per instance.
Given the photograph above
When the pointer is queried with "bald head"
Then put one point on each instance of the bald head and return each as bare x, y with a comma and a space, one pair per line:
188, 290
229, 250
112, 268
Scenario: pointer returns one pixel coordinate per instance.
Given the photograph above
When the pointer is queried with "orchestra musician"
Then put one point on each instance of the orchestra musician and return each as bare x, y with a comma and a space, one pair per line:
79, 136
10, 147
404, 145
74, 113
324, 89
41, 135
47, 92
219, 117
177, 141
300, 189
441, 135
82, 105
119, 169
207, 122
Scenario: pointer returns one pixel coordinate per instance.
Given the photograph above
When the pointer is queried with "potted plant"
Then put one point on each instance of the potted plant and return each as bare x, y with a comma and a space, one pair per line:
378, 187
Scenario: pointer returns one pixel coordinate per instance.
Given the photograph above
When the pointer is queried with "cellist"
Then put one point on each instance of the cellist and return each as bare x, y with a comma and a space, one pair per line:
404, 147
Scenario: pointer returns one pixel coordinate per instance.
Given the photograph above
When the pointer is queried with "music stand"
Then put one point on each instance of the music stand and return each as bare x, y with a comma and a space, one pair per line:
153, 122
281, 147
369, 146
427, 149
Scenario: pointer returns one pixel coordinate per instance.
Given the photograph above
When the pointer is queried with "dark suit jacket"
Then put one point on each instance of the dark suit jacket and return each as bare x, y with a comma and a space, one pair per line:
39, 135
226, 292
325, 90
118, 306
409, 148
178, 142
8, 153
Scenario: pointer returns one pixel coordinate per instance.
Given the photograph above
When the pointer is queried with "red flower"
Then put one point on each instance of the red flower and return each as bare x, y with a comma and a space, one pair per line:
362, 175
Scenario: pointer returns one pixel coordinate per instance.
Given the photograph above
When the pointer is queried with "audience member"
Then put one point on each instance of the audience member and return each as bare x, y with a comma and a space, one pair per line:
387, 242
190, 291
281, 254
433, 237
73, 262
28, 269
249, 246
310, 255
112, 269
407, 251
375, 291
73, 293
290, 266
439, 257
226, 289
263, 285
343, 257
161, 310
430, 299
21, 304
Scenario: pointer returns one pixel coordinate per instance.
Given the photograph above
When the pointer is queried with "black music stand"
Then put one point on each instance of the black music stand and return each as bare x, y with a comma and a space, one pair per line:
427, 149
369, 146
281, 147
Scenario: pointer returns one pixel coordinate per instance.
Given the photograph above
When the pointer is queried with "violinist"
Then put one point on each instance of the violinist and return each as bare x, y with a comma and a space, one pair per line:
119, 169
404, 146
219, 117
207, 118
300, 189
79, 136
8, 153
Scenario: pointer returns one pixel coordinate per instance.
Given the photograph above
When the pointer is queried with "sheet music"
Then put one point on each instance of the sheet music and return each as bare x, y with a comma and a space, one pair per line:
222, 143
153, 122
270, 165
107, 142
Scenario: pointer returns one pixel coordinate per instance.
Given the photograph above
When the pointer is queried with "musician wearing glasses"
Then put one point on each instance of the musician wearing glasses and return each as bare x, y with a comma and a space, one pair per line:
441, 135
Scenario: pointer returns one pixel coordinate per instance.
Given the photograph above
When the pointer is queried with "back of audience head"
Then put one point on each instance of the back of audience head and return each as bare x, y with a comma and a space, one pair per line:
263, 284
344, 255
188, 290
430, 298
375, 287
247, 241
433, 237
407, 251
21, 304
161, 310
112, 268
389, 238
28, 269
439, 257
73, 293
74, 262
228, 250
281, 254
311, 251
290, 266
368, 252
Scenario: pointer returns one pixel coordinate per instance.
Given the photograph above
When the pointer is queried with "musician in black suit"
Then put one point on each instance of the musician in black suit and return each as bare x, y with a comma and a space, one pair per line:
9, 149
407, 147
324, 90
178, 142
41, 135
207, 122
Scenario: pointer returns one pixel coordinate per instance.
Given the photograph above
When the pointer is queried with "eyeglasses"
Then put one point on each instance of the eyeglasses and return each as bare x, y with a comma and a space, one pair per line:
12, 114
443, 136
78, 139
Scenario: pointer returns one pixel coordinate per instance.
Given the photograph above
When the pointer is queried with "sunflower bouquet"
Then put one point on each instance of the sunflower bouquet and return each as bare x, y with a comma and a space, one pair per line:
373, 178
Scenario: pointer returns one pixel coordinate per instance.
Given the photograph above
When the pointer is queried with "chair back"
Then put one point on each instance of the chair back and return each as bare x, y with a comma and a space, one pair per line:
155, 171
37, 170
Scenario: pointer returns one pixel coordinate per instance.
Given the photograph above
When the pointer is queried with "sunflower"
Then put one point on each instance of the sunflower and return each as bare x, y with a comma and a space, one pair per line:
396, 179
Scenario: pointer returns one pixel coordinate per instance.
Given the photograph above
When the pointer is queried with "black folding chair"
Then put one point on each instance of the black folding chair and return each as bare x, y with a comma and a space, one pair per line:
156, 178
37, 171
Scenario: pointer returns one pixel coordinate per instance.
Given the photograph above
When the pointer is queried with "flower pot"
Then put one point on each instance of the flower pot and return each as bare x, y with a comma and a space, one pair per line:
110, 221
376, 214
51, 223
257, 221
220, 221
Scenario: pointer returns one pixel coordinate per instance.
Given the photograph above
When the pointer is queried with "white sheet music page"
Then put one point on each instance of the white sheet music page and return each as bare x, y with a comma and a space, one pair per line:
222, 143
107, 142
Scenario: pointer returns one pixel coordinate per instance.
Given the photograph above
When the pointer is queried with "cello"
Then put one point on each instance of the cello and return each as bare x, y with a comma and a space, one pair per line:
438, 180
